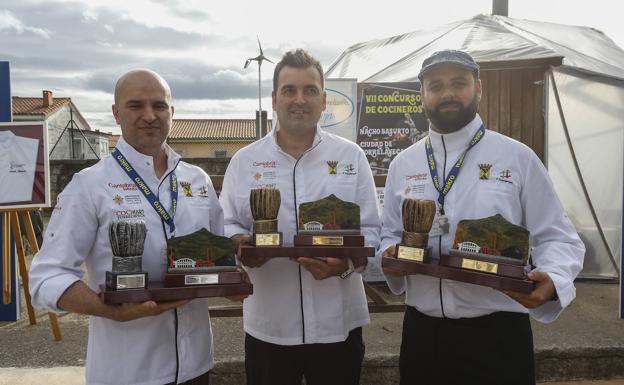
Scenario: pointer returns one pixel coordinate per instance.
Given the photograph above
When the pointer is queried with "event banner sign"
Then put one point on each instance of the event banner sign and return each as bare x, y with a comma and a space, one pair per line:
339, 117
390, 118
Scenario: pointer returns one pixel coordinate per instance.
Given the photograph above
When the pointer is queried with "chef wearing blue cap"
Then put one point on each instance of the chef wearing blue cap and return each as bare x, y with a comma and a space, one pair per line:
454, 332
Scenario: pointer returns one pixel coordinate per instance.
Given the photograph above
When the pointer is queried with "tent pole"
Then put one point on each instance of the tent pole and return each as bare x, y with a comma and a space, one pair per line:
578, 173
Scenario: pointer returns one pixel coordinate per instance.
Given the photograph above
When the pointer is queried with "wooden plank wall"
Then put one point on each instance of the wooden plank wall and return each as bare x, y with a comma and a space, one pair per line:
513, 104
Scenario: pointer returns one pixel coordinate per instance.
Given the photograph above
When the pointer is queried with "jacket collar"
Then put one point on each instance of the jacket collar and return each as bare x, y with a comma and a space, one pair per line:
144, 164
319, 135
458, 139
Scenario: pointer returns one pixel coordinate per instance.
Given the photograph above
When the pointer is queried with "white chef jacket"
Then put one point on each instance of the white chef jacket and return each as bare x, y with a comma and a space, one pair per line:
517, 187
18, 162
289, 306
141, 351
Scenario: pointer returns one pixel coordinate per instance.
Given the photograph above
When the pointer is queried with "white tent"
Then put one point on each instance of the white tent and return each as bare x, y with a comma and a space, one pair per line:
583, 108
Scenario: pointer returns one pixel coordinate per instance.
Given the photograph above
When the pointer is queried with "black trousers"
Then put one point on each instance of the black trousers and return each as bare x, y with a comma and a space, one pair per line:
493, 349
204, 379
337, 363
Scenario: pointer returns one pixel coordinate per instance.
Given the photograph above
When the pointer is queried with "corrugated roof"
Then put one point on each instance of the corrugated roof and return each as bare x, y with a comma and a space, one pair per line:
214, 129
34, 106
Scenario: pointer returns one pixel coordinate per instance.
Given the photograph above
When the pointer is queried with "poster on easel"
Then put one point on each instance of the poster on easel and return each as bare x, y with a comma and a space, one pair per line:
24, 165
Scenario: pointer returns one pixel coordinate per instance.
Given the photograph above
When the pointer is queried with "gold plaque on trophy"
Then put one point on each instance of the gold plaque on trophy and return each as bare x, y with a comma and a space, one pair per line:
265, 204
417, 217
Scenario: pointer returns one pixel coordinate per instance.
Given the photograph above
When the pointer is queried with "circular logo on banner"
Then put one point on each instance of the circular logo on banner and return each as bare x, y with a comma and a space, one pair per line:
339, 108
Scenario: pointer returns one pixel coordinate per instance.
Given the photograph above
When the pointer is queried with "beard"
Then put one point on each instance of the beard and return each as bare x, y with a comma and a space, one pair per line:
452, 121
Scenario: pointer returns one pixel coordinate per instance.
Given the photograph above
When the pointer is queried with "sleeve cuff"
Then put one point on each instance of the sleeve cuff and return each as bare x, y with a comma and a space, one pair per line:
233, 229
50, 293
550, 311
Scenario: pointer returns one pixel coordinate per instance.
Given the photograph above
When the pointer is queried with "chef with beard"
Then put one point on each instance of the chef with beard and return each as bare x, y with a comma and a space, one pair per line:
455, 332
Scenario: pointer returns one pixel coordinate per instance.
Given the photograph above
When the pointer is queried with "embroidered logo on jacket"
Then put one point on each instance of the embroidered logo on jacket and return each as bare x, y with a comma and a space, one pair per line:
349, 169
421, 176
266, 164
484, 171
332, 167
202, 192
186, 187
118, 199
504, 176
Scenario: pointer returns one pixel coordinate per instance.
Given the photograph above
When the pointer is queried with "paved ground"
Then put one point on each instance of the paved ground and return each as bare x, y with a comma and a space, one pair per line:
587, 342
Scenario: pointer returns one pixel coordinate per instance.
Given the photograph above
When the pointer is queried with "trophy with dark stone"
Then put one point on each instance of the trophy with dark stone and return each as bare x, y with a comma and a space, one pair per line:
201, 258
265, 204
490, 245
127, 239
417, 215
329, 222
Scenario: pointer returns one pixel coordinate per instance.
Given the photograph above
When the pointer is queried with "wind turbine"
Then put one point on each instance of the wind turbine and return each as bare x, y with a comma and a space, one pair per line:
260, 58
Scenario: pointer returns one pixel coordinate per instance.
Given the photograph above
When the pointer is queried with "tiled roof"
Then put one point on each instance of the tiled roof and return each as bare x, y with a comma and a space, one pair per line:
213, 129
34, 106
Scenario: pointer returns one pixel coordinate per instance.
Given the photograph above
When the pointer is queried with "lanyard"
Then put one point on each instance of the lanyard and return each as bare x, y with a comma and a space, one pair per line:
149, 195
453, 174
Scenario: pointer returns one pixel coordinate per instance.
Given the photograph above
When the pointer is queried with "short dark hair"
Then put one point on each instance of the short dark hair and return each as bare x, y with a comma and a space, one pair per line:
297, 58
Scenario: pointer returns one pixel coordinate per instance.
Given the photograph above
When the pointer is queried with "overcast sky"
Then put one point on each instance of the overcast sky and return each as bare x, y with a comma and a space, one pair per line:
78, 48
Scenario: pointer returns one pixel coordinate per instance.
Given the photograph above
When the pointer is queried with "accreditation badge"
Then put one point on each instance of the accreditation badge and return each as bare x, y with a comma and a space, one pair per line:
440, 225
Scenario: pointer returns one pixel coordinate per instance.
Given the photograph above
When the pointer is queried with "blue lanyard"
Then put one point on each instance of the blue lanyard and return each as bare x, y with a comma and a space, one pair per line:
149, 195
454, 173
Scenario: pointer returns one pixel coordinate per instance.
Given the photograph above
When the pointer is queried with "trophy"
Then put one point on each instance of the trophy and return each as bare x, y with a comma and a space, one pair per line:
265, 204
329, 222
490, 245
193, 259
328, 227
417, 217
127, 239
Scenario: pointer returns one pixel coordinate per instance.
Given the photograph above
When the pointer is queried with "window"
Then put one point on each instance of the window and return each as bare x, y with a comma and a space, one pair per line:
77, 149
220, 153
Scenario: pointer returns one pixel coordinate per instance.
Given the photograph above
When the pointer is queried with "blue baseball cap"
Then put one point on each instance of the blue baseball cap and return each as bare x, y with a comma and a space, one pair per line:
449, 57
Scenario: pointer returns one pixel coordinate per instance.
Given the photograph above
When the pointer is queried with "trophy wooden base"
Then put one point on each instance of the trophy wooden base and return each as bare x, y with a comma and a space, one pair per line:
125, 281
191, 278
498, 282
157, 292
305, 251
474, 262
321, 240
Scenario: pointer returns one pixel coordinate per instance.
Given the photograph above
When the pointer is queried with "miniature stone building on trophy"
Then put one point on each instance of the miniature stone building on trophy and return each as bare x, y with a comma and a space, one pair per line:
417, 215
265, 205
127, 239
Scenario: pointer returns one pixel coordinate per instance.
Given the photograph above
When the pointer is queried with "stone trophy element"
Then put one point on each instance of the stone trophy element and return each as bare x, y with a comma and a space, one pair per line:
265, 205
195, 259
417, 215
491, 245
127, 239
329, 222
